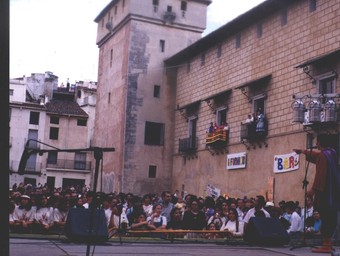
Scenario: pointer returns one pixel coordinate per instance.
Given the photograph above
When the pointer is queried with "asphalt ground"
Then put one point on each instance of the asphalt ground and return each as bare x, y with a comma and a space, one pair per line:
60, 246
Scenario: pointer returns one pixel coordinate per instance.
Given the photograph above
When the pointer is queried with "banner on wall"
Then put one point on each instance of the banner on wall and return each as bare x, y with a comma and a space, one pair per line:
236, 161
286, 163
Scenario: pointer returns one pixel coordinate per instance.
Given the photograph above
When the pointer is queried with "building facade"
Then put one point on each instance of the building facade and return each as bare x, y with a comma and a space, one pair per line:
47, 117
281, 58
134, 111
160, 88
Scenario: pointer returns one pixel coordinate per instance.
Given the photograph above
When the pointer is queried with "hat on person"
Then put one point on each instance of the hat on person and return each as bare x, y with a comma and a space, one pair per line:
269, 204
25, 196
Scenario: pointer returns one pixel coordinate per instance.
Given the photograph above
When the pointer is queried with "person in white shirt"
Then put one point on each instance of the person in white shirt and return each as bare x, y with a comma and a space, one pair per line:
296, 224
258, 206
24, 214
44, 215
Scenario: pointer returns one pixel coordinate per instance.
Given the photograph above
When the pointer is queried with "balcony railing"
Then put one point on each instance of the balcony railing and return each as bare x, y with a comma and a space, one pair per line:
188, 144
69, 164
217, 138
249, 132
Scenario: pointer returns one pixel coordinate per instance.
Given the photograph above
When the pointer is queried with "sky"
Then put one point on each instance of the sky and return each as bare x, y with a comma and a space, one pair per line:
60, 35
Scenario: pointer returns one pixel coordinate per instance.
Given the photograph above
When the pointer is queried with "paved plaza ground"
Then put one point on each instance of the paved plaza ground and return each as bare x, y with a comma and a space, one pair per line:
61, 246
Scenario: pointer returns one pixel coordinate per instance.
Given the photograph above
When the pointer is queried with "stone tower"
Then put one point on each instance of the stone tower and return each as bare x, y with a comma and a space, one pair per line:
135, 106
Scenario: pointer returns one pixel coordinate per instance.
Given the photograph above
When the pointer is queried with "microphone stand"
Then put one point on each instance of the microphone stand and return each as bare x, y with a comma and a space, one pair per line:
98, 155
304, 187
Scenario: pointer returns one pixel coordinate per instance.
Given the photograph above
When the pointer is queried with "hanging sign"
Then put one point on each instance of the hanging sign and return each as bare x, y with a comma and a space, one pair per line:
286, 163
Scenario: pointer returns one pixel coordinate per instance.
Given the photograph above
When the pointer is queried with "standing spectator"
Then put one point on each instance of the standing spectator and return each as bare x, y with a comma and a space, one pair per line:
240, 206
167, 205
194, 219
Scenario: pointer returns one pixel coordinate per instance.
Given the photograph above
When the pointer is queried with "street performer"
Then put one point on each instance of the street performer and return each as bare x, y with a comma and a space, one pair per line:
325, 188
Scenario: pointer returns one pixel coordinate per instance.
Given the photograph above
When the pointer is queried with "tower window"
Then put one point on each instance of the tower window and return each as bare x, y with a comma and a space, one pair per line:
156, 91
162, 45
152, 171
154, 133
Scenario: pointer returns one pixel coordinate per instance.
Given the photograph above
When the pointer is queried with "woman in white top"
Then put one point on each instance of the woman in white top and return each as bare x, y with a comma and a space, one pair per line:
147, 206
234, 227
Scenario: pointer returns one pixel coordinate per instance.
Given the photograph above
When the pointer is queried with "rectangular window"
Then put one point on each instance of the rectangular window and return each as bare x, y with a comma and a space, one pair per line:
259, 30
80, 161
155, 2
192, 132
54, 119
54, 133
219, 51
154, 133
312, 5
34, 117
111, 57
152, 171
52, 157
169, 8
11, 92
202, 59
162, 45
259, 104
238, 41
284, 17
326, 85
81, 122
156, 91
116, 8
109, 97
221, 115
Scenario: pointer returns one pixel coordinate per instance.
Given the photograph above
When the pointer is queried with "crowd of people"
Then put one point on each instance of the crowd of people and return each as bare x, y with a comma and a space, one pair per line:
40, 210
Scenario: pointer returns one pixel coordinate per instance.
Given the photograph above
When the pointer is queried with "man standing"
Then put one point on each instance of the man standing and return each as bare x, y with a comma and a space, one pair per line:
167, 205
325, 188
